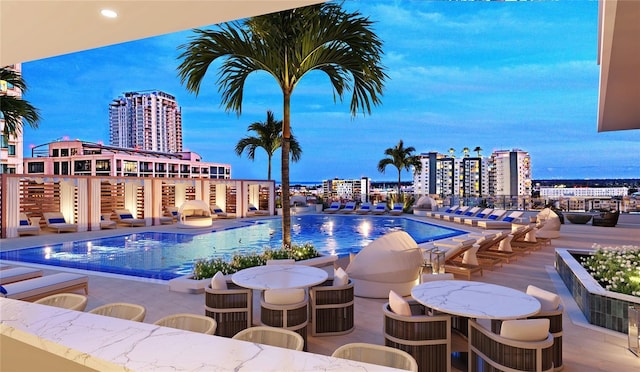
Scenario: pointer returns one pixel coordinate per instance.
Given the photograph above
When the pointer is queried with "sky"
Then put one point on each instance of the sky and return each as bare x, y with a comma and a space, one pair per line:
499, 75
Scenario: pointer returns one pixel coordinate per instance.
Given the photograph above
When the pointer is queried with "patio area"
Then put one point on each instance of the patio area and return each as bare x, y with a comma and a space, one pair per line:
586, 348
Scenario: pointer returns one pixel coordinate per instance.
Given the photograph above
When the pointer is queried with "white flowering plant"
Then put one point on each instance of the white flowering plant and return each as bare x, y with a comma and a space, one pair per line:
617, 269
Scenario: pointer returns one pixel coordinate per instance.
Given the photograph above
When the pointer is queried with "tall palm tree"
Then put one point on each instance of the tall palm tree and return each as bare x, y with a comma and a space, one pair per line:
400, 157
14, 109
465, 151
269, 137
452, 152
288, 45
478, 149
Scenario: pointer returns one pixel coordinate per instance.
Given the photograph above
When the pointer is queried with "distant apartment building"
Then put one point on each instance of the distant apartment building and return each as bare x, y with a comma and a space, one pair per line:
510, 173
582, 192
149, 121
10, 146
92, 159
346, 189
444, 175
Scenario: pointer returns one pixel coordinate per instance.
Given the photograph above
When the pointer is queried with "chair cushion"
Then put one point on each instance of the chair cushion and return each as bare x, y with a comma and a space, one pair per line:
126, 216
340, 277
549, 301
24, 223
398, 304
508, 219
218, 281
57, 220
284, 296
525, 329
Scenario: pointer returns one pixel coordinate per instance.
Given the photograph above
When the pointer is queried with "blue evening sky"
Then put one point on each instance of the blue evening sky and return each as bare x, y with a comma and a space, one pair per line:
498, 75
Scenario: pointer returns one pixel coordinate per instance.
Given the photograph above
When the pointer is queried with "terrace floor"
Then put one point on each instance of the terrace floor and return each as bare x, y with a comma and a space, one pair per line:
586, 347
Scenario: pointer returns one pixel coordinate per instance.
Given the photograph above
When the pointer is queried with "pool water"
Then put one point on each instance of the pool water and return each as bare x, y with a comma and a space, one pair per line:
168, 255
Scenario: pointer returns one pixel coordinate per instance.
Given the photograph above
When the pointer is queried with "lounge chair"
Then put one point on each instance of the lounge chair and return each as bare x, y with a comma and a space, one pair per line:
397, 210
126, 218
380, 208
552, 223
17, 274
333, 208
365, 208
473, 256
472, 212
170, 216
606, 219
26, 228
473, 219
460, 259
106, 222
497, 246
524, 239
504, 223
254, 212
447, 211
350, 207
194, 214
217, 212
459, 212
37, 288
496, 215
56, 221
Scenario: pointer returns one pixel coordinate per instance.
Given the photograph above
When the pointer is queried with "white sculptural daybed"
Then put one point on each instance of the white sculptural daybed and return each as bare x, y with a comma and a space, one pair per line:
194, 214
391, 262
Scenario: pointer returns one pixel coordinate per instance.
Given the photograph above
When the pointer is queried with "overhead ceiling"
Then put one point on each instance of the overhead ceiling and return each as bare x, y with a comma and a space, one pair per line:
33, 29
619, 59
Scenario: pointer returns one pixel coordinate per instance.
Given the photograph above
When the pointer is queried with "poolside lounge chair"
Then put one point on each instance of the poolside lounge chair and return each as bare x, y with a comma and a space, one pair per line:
253, 211
365, 208
26, 228
497, 246
37, 288
504, 223
471, 212
380, 208
333, 208
468, 264
496, 215
391, 262
458, 212
125, 217
447, 211
106, 222
17, 274
350, 207
56, 221
217, 212
473, 219
397, 210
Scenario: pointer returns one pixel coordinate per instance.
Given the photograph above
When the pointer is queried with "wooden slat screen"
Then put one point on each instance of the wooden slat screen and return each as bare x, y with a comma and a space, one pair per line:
111, 197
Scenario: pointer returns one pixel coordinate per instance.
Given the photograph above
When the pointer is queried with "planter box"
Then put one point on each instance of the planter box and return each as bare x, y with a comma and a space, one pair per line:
187, 284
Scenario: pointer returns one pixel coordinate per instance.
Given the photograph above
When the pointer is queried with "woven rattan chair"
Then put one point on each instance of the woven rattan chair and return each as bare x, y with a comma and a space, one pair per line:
427, 338
555, 328
293, 317
377, 354
121, 310
272, 336
231, 308
490, 351
189, 322
331, 309
71, 301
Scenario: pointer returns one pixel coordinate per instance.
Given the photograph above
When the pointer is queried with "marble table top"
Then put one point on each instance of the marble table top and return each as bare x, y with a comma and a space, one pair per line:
475, 299
279, 277
111, 344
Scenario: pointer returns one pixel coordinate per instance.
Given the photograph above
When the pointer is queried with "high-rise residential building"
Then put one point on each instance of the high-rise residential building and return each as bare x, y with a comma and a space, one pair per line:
510, 173
445, 175
357, 190
11, 147
150, 120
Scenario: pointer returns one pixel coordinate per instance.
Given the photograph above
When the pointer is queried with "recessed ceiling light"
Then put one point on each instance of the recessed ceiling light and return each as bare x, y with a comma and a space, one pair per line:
109, 13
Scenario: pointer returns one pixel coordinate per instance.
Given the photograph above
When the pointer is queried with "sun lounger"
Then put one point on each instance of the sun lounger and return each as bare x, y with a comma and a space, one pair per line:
56, 221
473, 219
350, 207
126, 218
17, 274
497, 246
253, 211
365, 208
467, 214
107, 223
504, 223
458, 212
380, 208
447, 211
494, 216
37, 288
26, 228
333, 208
460, 258
217, 212
398, 209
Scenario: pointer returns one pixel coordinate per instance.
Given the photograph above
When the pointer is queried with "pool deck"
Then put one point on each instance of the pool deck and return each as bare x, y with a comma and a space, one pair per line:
586, 347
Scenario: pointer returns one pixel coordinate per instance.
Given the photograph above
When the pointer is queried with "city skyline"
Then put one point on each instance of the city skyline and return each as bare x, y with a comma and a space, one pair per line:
461, 74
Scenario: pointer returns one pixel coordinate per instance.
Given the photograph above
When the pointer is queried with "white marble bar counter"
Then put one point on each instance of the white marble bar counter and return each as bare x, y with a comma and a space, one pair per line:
110, 344
475, 299
279, 277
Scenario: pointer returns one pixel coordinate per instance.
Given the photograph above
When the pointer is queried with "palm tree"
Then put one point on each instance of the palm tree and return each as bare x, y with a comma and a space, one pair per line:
452, 152
401, 158
288, 45
478, 149
269, 138
465, 151
14, 109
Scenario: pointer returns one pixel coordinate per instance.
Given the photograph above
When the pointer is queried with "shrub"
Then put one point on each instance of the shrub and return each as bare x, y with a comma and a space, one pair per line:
617, 269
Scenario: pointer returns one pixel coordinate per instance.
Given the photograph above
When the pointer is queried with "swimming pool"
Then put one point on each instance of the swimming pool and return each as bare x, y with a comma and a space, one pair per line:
166, 256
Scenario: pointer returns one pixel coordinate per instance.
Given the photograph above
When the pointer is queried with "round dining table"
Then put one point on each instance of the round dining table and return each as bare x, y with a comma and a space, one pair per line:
279, 277
475, 299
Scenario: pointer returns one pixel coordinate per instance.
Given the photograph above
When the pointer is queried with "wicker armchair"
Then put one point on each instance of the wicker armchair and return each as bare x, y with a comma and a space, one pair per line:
376, 354
121, 310
71, 301
426, 338
189, 322
293, 316
231, 308
489, 351
555, 328
606, 219
331, 309
272, 336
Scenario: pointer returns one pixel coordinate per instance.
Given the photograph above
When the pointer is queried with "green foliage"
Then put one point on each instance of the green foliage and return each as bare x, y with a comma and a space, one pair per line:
204, 268
617, 269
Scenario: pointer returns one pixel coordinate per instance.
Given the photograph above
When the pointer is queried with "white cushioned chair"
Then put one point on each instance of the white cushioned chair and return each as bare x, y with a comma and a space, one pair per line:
230, 305
332, 305
551, 308
286, 308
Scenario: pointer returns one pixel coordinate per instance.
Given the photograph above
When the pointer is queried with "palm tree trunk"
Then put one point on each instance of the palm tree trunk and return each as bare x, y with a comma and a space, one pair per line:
399, 183
286, 137
269, 168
